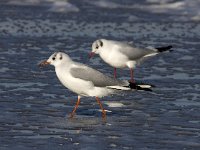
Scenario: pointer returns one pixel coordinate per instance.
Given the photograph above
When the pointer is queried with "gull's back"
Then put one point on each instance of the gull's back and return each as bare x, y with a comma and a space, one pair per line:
97, 78
129, 50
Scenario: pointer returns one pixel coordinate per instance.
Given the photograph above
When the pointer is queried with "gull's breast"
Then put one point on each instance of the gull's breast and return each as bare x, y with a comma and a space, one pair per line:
114, 58
76, 85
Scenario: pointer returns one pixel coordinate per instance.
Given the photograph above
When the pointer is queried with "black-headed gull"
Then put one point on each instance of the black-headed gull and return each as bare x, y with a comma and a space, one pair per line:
86, 81
120, 54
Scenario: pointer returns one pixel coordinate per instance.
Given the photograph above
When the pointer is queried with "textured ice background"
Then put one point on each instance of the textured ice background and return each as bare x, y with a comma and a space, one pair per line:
34, 106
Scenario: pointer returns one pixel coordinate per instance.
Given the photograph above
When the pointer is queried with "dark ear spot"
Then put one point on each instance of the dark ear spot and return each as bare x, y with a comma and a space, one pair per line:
60, 57
101, 43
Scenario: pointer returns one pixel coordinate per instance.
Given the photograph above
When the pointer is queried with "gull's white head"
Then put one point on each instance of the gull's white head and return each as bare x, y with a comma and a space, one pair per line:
97, 46
56, 59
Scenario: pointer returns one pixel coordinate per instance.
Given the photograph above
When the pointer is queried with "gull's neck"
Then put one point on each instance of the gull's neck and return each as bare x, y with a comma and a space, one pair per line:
65, 65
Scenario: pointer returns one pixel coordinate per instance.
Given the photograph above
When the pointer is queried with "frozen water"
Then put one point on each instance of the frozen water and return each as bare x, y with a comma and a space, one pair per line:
34, 106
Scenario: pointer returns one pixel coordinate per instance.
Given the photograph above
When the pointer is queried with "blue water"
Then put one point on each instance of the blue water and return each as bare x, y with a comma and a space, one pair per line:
34, 106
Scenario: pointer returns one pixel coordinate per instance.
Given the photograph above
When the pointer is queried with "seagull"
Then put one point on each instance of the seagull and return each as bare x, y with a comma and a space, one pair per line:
86, 81
121, 54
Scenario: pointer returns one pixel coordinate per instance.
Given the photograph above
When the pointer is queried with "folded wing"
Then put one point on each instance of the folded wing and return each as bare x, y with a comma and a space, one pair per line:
97, 78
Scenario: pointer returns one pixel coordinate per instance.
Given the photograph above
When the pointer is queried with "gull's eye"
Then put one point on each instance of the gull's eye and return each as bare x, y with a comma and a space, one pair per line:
97, 47
53, 58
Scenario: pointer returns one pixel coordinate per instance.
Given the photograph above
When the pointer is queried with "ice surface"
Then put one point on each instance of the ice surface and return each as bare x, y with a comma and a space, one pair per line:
34, 106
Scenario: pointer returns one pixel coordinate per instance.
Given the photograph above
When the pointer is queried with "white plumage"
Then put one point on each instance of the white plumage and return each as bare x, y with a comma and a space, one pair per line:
120, 54
84, 80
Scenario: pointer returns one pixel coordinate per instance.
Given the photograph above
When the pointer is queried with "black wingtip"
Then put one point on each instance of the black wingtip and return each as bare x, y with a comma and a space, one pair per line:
141, 87
166, 48
141, 83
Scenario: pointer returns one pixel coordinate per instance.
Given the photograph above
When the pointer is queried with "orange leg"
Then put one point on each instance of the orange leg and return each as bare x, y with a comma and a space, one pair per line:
132, 79
103, 110
76, 106
115, 72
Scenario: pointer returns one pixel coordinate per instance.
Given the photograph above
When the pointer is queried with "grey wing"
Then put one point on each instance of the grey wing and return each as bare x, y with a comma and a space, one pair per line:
134, 53
96, 77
